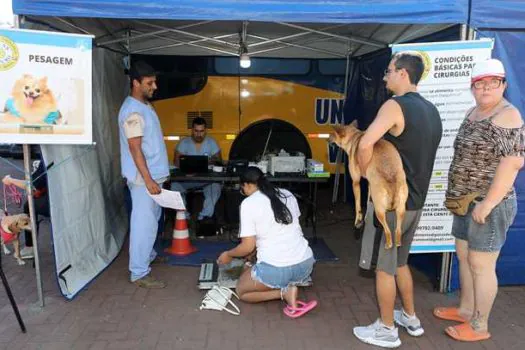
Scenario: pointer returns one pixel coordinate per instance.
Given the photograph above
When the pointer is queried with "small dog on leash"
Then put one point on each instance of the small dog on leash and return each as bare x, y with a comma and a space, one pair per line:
10, 228
386, 178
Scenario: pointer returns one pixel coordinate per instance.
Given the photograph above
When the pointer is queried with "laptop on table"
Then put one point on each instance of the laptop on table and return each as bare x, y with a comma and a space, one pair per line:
193, 164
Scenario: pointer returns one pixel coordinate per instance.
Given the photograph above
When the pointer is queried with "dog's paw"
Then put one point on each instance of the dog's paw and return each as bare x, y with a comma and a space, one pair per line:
358, 224
21, 262
6, 251
388, 245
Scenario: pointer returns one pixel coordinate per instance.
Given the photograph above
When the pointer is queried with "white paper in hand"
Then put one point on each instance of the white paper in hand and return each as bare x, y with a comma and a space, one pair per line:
169, 199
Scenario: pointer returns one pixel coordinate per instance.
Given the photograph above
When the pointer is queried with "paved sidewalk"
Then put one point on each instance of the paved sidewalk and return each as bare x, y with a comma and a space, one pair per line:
114, 314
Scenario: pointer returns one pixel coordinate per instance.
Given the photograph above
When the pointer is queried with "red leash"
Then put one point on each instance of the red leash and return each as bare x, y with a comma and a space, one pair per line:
12, 194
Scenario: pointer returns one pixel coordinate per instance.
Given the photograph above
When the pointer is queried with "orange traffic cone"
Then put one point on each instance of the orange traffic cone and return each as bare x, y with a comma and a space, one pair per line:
180, 243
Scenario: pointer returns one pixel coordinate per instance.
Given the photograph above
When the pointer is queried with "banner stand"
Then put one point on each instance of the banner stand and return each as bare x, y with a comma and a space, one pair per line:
466, 33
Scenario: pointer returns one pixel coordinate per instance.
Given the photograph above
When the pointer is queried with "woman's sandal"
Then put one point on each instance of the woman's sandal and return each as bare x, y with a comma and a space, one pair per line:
449, 314
299, 311
465, 332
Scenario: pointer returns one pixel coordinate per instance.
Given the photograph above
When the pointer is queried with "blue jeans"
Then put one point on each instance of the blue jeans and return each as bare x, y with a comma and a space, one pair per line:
211, 191
145, 214
490, 236
280, 277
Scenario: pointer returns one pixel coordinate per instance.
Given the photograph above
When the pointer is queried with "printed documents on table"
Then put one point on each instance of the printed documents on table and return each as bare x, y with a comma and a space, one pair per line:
169, 199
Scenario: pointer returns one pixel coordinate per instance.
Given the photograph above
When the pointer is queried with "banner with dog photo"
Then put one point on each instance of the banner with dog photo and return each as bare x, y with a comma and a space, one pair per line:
446, 83
45, 95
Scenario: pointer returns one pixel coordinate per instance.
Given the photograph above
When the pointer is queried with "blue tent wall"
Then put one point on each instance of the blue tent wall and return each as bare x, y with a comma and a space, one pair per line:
314, 11
500, 14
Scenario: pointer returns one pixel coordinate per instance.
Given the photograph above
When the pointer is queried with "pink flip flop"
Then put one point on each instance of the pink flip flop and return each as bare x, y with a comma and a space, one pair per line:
300, 303
301, 310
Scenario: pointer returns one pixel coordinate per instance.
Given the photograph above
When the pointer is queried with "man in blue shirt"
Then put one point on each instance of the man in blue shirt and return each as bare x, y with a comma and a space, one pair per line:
145, 166
199, 145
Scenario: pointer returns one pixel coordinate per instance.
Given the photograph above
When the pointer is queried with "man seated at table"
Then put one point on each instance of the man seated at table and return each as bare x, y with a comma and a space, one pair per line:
199, 145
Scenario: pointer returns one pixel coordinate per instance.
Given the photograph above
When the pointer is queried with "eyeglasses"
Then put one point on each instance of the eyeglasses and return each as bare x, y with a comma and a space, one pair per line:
388, 71
491, 84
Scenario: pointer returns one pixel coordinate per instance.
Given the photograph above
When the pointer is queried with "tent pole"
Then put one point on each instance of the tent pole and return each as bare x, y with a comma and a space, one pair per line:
31, 204
465, 33
339, 157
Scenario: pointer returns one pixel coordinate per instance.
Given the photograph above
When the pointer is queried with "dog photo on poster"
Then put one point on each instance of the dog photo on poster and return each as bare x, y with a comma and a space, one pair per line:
45, 95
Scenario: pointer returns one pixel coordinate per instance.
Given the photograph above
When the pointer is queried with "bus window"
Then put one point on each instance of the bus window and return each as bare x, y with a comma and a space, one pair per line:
178, 75
332, 67
262, 66
170, 86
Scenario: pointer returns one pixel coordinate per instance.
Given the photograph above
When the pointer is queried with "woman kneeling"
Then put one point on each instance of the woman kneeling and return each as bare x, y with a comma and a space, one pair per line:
269, 222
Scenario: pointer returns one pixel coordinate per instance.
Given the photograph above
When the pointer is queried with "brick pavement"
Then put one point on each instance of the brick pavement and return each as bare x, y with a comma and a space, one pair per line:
113, 314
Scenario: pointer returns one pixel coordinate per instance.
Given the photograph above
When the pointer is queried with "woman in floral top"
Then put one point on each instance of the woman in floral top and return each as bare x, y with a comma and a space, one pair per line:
489, 151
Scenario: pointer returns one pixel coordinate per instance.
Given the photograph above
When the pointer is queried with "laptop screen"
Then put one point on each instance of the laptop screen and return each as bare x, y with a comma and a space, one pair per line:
193, 164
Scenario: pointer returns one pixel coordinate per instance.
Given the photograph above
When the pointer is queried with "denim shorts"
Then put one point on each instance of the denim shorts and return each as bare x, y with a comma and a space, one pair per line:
280, 277
490, 236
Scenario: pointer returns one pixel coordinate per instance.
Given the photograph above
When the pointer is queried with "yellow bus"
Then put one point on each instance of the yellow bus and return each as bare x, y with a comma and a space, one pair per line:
275, 104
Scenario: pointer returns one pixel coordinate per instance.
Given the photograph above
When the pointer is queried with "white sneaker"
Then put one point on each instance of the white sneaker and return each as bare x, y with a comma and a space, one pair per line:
411, 323
378, 334
27, 253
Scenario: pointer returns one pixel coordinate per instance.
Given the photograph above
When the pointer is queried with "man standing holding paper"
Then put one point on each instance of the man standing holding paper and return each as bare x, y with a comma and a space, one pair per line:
144, 163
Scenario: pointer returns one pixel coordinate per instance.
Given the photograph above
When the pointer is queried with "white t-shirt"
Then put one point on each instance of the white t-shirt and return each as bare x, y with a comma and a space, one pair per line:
277, 244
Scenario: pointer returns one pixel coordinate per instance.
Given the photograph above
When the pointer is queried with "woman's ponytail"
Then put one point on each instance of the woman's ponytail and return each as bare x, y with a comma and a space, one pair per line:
281, 212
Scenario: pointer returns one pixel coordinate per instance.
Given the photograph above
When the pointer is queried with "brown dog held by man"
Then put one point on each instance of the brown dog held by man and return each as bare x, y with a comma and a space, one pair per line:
386, 179
10, 228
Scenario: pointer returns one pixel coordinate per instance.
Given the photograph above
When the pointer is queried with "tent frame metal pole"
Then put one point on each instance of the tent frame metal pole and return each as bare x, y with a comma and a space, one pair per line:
292, 36
342, 37
145, 35
265, 41
189, 43
183, 32
354, 52
72, 25
397, 39
285, 44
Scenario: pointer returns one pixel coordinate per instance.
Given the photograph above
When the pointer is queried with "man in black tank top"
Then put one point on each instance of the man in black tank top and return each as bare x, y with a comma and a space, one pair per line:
413, 125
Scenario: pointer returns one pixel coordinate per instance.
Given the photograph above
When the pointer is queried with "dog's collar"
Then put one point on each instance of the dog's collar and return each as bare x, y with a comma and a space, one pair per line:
6, 230
7, 236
